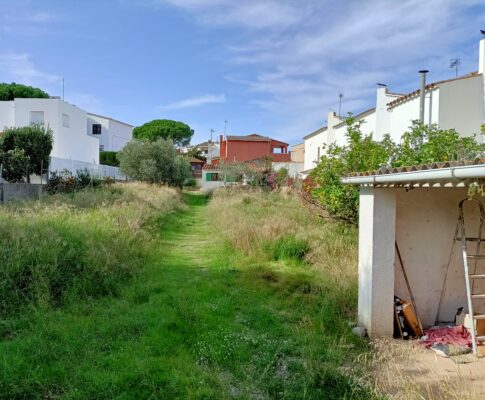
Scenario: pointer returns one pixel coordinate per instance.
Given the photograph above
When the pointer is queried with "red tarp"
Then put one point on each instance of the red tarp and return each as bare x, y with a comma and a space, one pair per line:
457, 335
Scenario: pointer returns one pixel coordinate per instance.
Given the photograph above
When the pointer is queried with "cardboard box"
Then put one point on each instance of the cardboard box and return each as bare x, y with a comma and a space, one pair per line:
479, 324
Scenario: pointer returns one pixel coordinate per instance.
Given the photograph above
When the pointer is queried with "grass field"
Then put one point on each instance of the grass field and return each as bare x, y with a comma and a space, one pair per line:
243, 296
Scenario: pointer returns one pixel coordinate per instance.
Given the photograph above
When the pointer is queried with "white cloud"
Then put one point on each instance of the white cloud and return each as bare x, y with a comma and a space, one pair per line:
19, 68
196, 102
294, 57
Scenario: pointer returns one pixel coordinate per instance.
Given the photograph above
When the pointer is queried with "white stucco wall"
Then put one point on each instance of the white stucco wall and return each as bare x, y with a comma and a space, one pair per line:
294, 168
313, 147
402, 115
425, 226
7, 114
462, 106
114, 134
382, 114
70, 142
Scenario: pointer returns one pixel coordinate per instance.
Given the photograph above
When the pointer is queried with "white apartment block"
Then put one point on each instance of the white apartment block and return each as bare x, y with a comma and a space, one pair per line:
68, 124
78, 135
112, 134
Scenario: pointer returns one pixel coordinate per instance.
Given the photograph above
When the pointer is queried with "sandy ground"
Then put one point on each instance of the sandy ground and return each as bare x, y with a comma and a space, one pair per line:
405, 370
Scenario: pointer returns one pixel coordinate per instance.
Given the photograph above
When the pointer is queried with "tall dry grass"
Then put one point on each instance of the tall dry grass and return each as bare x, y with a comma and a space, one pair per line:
406, 371
254, 221
79, 245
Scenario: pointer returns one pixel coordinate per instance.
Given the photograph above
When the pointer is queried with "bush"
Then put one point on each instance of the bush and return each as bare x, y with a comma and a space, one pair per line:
421, 144
25, 151
190, 182
154, 162
65, 182
109, 158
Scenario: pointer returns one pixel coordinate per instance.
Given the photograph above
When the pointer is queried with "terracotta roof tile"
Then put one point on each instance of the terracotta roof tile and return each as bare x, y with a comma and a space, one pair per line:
430, 86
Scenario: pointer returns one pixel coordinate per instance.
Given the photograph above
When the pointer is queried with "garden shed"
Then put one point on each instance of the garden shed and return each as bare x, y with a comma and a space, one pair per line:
415, 210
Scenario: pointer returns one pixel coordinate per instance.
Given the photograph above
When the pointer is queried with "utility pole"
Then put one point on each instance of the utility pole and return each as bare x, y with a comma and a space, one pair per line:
340, 97
454, 63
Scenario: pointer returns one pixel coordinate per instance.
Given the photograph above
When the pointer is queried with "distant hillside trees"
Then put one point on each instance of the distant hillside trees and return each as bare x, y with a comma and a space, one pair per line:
25, 151
155, 162
10, 91
176, 131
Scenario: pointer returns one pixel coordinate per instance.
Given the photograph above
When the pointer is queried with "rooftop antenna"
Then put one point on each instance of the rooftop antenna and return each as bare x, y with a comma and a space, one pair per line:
454, 63
225, 126
62, 89
212, 131
340, 97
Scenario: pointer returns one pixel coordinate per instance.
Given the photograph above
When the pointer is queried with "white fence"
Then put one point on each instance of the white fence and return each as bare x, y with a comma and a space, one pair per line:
96, 170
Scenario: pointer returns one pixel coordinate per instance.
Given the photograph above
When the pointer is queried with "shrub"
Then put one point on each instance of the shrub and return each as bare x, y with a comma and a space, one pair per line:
421, 144
34, 141
65, 182
190, 182
109, 158
154, 162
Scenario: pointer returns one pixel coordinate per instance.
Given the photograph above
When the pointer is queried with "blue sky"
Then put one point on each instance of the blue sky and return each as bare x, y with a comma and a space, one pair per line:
273, 67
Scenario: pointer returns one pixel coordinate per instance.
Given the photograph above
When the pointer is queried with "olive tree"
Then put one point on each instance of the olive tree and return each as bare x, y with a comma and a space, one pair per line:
155, 162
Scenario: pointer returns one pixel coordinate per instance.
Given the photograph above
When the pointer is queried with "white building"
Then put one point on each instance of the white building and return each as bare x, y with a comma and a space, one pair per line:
113, 135
414, 210
68, 124
457, 103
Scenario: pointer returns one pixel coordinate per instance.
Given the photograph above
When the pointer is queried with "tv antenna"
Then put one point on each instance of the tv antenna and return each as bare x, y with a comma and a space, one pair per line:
454, 63
225, 126
340, 97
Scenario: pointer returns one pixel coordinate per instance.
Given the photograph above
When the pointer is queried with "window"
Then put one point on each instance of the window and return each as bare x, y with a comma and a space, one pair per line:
212, 176
66, 123
37, 117
101, 147
96, 129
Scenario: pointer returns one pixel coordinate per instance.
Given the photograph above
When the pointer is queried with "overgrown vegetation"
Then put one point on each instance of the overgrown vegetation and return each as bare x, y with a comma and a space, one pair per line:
109, 158
25, 151
11, 91
250, 297
65, 182
420, 145
65, 248
154, 162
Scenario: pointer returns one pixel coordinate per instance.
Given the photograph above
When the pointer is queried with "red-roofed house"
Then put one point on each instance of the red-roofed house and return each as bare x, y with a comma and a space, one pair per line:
252, 147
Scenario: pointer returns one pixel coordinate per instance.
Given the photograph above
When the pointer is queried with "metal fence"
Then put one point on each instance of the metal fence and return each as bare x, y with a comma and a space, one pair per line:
96, 170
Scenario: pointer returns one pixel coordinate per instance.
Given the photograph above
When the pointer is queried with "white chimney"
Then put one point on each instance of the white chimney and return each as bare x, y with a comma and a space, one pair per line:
481, 58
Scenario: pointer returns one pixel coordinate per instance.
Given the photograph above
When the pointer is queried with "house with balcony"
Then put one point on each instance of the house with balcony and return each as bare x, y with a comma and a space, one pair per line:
252, 147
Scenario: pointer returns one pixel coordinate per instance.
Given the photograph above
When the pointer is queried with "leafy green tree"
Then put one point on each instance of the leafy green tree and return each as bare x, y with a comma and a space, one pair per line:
176, 131
35, 141
10, 91
14, 165
155, 162
421, 144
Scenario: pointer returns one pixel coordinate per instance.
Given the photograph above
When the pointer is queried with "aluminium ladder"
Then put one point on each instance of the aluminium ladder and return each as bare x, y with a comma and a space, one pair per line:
472, 277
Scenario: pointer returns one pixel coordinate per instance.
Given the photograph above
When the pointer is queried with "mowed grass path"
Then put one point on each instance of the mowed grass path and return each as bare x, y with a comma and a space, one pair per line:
197, 324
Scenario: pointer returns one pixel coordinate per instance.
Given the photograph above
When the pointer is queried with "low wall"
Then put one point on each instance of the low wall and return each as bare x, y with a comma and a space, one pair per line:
96, 170
19, 191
